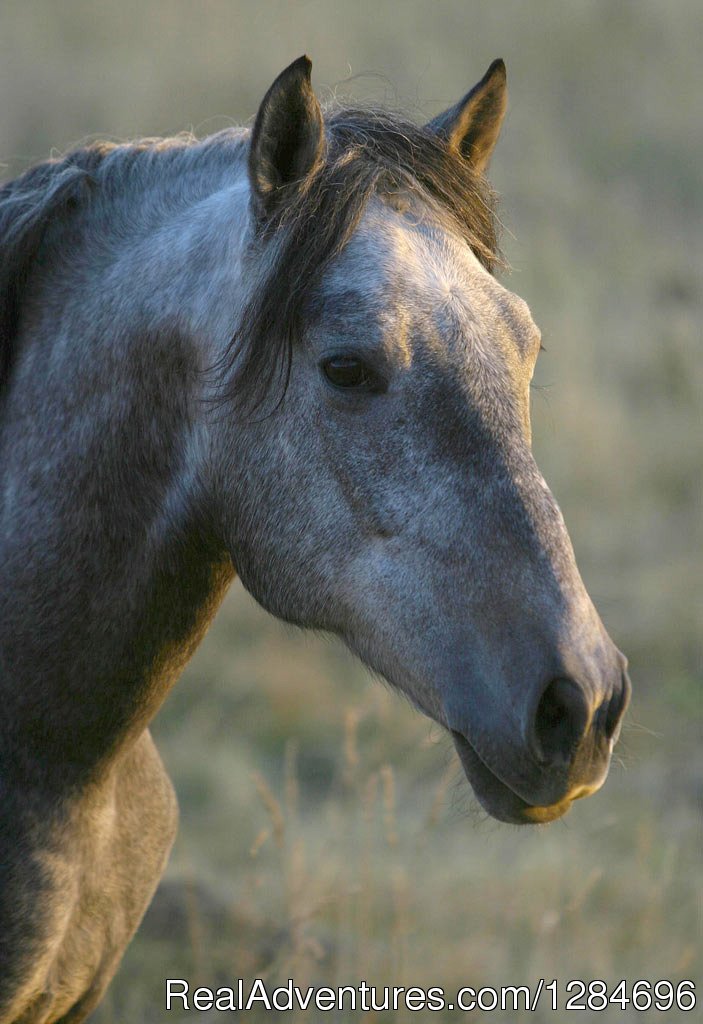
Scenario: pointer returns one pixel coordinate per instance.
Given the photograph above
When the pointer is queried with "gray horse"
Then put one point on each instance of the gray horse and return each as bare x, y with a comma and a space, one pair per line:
279, 353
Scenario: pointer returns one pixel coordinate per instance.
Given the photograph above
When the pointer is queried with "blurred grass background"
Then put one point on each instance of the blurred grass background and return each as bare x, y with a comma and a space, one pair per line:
326, 833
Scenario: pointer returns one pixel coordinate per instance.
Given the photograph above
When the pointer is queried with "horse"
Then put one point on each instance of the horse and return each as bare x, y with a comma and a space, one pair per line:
282, 353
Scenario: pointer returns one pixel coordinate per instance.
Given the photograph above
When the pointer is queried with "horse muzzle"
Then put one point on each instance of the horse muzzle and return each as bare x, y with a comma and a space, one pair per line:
563, 756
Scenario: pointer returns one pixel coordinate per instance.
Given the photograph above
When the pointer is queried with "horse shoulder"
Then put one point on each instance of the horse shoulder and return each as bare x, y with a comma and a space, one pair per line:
77, 885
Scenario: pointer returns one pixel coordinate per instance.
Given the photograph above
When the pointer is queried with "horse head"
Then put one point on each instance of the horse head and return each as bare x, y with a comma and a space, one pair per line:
384, 488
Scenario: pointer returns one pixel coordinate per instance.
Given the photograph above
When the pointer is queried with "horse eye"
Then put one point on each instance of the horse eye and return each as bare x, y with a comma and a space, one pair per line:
347, 372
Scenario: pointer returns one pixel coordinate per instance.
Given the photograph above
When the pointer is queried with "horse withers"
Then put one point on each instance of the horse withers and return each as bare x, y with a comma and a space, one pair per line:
283, 354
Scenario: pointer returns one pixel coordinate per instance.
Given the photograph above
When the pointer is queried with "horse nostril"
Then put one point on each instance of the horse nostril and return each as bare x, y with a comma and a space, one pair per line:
560, 721
616, 708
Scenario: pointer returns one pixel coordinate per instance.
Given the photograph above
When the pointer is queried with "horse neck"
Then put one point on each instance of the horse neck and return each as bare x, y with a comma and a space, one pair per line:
111, 563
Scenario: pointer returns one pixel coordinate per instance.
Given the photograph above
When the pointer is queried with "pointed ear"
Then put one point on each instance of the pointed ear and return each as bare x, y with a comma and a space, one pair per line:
472, 126
287, 141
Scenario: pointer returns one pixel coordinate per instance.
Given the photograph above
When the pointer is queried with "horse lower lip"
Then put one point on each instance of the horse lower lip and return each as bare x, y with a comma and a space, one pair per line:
543, 815
496, 797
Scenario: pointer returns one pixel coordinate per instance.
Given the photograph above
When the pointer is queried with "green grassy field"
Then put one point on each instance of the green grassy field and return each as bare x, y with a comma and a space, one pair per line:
327, 834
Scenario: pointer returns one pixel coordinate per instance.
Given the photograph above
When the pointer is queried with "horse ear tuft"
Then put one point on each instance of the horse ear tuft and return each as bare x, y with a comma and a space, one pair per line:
472, 126
287, 142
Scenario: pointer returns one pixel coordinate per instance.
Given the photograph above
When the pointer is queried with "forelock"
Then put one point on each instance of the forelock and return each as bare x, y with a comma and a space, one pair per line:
369, 153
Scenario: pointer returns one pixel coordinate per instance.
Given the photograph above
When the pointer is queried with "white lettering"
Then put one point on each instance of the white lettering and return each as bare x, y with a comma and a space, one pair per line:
225, 999
325, 999
171, 994
258, 994
415, 999
203, 998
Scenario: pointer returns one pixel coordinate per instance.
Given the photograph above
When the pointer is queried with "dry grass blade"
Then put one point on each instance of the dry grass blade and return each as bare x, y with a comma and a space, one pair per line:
273, 807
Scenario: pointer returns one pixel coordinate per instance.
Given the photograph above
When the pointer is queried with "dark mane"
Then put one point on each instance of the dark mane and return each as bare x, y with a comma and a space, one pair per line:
369, 152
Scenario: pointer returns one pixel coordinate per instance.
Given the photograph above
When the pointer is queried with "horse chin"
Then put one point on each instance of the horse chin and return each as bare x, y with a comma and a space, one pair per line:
496, 797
